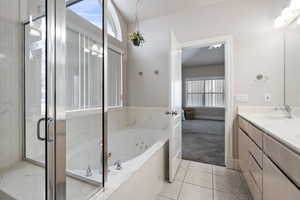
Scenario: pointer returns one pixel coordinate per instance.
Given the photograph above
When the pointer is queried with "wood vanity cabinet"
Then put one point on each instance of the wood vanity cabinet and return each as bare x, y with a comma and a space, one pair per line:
271, 170
276, 185
250, 163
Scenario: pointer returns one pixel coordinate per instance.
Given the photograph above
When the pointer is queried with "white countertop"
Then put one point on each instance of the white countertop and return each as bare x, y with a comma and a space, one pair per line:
275, 123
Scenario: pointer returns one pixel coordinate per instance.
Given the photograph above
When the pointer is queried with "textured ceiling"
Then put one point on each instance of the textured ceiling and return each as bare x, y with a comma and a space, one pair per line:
153, 8
202, 56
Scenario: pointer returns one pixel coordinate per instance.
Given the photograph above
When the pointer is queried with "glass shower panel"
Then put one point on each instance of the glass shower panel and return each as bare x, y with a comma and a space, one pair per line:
84, 93
22, 173
35, 89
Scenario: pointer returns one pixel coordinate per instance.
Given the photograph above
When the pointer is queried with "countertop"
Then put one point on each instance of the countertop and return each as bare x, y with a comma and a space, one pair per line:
274, 122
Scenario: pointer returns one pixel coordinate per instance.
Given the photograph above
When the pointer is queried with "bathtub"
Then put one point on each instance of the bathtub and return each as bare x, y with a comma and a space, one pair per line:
128, 146
137, 138
144, 159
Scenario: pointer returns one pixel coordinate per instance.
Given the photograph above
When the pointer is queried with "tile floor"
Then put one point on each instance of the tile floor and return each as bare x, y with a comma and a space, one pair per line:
198, 181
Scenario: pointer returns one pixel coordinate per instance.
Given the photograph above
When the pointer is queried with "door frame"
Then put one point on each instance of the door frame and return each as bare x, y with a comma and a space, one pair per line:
230, 162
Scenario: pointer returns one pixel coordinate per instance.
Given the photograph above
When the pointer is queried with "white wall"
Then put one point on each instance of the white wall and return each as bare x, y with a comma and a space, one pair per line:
10, 82
258, 48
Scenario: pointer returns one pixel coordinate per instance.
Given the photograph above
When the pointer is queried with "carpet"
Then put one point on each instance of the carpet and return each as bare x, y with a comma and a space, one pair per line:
204, 141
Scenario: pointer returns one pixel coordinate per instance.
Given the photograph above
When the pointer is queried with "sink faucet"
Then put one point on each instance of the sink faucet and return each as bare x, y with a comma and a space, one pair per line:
118, 165
288, 109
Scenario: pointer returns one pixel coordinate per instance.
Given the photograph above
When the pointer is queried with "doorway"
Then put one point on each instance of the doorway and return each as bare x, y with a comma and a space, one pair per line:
226, 82
203, 101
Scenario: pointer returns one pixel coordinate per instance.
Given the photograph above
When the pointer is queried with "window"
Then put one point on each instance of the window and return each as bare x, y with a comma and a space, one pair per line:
84, 73
91, 10
205, 93
114, 78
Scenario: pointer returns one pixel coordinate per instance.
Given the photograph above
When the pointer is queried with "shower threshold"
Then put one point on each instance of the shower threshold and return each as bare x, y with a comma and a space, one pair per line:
25, 181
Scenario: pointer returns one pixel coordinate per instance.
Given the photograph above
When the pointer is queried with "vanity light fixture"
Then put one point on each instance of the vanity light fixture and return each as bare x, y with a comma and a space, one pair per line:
288, 14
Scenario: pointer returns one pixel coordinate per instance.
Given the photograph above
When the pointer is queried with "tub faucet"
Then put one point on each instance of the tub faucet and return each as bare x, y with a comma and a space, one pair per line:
288, 109
88, 172
118, 165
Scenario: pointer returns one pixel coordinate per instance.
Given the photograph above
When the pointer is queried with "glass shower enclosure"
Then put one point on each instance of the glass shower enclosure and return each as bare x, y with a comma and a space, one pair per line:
58, 149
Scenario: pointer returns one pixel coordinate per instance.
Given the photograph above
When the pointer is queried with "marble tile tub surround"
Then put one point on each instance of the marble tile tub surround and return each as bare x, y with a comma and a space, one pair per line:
147, 117
124, 117
274, 122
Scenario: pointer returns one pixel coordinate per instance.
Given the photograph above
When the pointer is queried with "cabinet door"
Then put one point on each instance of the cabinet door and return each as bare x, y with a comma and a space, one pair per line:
243, 151
276, 185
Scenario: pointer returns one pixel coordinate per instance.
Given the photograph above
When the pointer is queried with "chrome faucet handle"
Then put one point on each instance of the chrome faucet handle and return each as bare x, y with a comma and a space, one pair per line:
288, 109
118, 165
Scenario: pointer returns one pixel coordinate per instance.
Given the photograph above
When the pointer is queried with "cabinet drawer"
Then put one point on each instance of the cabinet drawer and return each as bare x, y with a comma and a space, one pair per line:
243, 151
288, 161
276, 185
255, 191
256, 152
255, 172
256, 135
243, 124
251, 147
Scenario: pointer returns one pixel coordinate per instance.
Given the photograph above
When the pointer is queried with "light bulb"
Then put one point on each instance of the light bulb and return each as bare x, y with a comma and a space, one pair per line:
286, 11
295, 4
279, 22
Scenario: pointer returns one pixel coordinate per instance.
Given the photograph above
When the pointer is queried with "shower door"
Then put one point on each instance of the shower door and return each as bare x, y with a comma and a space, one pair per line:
44, 101
64, 98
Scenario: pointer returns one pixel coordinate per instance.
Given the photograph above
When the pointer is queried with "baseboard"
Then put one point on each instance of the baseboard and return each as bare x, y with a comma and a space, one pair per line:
232, 163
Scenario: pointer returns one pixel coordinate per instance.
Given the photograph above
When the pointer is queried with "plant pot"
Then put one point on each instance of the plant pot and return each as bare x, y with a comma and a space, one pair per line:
136, 42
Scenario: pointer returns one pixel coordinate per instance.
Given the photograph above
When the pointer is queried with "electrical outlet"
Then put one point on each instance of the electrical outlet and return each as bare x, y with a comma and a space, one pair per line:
268, 97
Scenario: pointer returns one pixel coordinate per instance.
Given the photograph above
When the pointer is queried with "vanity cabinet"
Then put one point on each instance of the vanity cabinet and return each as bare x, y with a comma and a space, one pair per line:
250, 163
287, 160
276, 185
271, 170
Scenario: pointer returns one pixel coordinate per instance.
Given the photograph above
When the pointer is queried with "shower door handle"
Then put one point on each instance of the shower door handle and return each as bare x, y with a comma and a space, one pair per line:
168, 112
172, 113
38, 132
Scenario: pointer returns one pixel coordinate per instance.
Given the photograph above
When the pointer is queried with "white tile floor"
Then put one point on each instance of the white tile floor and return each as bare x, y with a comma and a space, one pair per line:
198, 181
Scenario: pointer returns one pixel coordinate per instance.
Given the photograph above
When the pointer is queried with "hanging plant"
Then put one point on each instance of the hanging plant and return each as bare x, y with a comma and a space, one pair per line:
136, 37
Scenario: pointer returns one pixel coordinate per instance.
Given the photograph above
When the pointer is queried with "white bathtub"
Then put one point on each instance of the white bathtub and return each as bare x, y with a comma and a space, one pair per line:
127, 146
137, 138
144, 165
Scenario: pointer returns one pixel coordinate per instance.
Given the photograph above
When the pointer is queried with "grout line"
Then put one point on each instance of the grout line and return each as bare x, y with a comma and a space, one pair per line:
180, 190
213, 185
165, 197
210, 188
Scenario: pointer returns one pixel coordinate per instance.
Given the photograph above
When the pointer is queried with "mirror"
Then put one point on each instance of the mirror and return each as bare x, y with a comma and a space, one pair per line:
292, 65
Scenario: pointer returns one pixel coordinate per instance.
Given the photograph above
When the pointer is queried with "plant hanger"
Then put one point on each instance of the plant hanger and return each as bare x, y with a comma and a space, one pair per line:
136, 37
